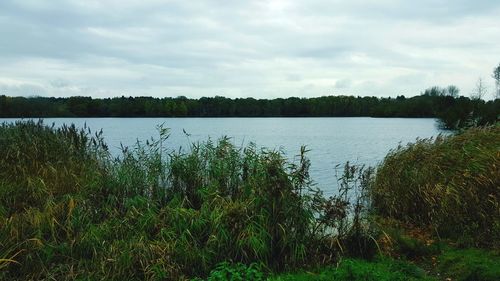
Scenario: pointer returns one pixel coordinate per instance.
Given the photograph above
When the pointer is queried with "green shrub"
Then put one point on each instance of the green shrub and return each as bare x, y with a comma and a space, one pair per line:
236, 272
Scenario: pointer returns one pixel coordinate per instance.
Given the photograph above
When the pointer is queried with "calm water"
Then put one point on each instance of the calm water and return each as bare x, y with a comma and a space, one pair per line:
332, 141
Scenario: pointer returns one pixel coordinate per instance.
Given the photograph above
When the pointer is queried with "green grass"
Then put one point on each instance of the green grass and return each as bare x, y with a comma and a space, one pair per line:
469, 264
352, 269
450, 264
440, 258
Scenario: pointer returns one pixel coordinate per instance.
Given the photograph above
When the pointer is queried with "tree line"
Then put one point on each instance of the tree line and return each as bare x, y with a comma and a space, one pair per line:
443, 103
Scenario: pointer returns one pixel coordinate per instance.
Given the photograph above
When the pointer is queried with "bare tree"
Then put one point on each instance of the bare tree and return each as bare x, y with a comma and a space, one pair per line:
496, 76
435, 91
480, 90
453, 91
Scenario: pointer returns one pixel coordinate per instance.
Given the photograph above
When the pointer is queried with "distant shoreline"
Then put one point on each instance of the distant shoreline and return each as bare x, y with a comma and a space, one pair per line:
453, 111
208, 117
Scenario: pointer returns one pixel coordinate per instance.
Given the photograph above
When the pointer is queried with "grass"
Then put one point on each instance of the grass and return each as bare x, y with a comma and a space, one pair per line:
449, 264
469, 264
71, 211
354, 269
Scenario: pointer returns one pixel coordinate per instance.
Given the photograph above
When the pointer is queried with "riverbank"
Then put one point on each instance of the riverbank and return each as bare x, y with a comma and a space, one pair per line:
447, 264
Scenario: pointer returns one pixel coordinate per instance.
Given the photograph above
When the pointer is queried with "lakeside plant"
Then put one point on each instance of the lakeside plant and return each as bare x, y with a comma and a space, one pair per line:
71, 211
450, 184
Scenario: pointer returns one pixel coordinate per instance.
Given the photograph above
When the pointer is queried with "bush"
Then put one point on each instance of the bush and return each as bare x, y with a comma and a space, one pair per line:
449, 183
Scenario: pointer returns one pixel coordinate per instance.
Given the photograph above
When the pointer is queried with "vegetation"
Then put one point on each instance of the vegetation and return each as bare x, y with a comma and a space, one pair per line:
451, 184
409, 253
496, 77
71, 211
450, 264
384, 269
236, 272
469, 264
454, 111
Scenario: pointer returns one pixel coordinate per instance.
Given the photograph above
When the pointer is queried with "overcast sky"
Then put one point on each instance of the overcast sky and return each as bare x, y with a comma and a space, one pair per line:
261, 49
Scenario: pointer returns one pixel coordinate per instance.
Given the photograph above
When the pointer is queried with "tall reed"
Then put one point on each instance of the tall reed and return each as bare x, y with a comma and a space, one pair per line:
71, 211
451, 184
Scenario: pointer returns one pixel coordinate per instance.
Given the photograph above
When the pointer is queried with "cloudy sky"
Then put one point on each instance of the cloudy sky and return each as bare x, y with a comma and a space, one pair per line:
261, 49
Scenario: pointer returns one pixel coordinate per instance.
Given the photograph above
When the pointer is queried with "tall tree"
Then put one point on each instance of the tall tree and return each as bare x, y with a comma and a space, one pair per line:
480, 91
496, 76
453, 91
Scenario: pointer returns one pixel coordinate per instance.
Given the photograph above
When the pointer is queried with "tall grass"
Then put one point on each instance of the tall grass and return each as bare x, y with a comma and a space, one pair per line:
450, 184
71, 211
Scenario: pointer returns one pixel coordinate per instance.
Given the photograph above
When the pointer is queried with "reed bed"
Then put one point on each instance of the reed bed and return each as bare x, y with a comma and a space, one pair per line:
450, 184
71, 211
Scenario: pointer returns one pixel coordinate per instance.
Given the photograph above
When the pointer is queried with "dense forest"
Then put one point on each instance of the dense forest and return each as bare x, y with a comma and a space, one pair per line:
434, 102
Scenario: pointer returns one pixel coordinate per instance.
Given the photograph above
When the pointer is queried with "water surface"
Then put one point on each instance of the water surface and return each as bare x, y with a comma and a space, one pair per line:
331, 141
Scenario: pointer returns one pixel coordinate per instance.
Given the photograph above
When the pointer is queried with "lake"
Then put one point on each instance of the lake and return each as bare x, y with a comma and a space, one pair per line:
331, 141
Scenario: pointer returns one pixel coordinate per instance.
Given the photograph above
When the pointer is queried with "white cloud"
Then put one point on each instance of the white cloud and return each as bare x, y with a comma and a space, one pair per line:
274, 48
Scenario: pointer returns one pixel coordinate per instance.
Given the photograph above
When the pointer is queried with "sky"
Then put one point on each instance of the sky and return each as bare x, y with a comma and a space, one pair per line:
260, 49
